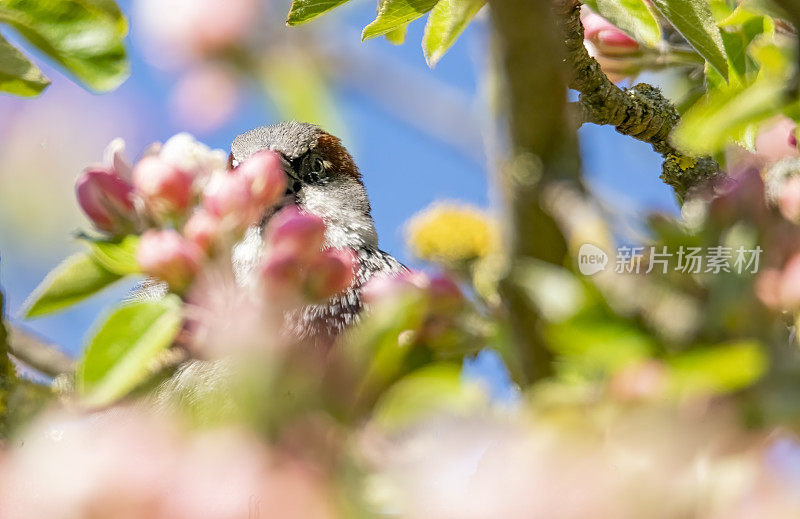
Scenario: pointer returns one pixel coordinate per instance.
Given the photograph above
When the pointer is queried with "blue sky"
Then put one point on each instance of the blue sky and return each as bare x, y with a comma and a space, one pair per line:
404, 168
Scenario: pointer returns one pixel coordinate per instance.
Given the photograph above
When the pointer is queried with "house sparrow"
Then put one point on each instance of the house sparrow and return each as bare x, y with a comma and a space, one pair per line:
323, 180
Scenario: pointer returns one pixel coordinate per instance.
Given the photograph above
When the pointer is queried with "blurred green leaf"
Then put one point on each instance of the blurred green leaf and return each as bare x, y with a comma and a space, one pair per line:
394, 14
724, 115
740, 31
446, 22
380, 347
85, 36
75, 279
119, 355
693, 19
555, 291
632, 16
435, 389
295, 83
593, 346
18, 75
117, 256
720, 369
766, 7
303, 11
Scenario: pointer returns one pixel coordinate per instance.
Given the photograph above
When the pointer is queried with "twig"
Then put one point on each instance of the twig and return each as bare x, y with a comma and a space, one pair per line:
37, 353
641, 112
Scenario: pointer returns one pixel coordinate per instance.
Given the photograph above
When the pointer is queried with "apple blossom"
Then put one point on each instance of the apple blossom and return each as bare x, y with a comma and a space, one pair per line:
439, 289
184, 152
444, 292
264, 171
779, 289
179, 31
227, 196
298, 232
384, 287
114, 157
203, 229
774, 141
128, 463
789, 199
170, 257
166, 189
614, 50
331, 273
205, 97
282, 273
106, 199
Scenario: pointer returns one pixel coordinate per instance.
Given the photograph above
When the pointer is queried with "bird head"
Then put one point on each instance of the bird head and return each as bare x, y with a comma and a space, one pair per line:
323, 179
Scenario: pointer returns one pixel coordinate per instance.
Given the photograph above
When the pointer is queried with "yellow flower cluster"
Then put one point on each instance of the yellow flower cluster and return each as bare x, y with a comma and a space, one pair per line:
451, 233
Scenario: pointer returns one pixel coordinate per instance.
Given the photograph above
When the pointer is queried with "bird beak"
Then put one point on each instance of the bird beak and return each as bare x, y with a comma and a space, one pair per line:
293, 184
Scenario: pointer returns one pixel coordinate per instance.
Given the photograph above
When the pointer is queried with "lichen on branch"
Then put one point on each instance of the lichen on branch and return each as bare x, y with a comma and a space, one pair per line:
641, 112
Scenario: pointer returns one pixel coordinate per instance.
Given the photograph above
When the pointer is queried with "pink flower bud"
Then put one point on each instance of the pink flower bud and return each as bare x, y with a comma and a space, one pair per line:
170, 257
777, 141
106, 199
640, 381
384, 287
768, 287
606, 37
789, 199
167, 190
331, 273
616, 52
283, 276
264, 171
227, 196
789, 285
444, 293
301, 233
203, 229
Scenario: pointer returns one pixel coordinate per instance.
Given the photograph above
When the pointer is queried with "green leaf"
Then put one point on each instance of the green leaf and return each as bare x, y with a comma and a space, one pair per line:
394, 14
723, 116
303, 11
434, 389
447, 21
737, 40
693, 19
18, 75
120, 354
719, 369
85, 36
397, 36
117, 256
75, 279
633, 17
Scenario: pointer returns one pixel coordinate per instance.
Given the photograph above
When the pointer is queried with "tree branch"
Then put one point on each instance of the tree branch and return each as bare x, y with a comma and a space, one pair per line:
641, 112
543, 149
37, 353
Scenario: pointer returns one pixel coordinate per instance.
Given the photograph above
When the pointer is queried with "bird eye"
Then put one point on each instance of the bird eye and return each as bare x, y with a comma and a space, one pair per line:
318, 166
316, 170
